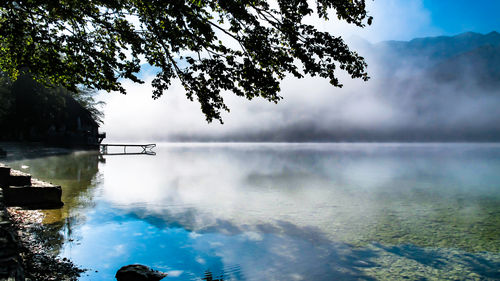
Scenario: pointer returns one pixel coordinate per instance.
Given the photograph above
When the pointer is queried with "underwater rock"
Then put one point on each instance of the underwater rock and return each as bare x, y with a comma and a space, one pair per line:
138, 272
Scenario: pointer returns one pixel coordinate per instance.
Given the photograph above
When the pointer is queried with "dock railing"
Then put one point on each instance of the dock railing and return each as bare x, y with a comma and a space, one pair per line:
146, 149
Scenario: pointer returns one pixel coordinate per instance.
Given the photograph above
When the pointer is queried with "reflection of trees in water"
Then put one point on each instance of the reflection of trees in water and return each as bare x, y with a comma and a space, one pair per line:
77, 173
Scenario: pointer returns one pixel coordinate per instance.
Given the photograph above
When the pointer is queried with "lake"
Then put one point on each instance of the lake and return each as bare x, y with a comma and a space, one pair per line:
280, 211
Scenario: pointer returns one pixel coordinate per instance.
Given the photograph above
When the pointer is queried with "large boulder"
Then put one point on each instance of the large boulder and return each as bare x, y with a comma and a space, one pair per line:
138, 272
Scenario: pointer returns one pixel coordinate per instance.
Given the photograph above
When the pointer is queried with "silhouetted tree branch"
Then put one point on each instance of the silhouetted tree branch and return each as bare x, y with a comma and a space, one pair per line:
242, 46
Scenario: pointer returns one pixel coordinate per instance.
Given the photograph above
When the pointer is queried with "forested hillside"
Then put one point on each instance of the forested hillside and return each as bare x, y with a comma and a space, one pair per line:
29, 111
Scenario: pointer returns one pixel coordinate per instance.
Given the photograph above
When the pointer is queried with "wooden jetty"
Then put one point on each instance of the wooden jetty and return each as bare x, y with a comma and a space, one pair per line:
146, 149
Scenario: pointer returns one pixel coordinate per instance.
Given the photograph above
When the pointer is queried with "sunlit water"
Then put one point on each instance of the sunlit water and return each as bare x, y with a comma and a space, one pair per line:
282, 211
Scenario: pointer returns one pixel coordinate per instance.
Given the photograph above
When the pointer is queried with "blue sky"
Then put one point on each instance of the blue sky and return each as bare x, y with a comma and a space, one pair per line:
408, 19
457, 16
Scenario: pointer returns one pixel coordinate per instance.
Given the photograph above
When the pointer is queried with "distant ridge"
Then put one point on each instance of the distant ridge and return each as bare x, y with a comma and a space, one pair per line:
479, 38
434, 49
480, 65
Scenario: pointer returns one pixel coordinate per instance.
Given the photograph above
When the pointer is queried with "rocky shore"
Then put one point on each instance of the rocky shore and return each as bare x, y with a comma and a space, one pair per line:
37, 258
11, 267
25, 253
25, 250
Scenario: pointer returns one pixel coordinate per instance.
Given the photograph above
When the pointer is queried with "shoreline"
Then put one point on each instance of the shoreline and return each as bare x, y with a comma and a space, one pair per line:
25, 248
10, 259
30, 249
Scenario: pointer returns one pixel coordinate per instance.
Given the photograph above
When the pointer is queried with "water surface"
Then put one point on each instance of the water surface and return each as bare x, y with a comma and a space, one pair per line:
282, 211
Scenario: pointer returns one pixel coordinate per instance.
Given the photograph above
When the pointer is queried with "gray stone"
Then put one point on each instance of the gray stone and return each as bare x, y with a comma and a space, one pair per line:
39, 196
4, 175
138, 272
20, 189
8, 244
18, 178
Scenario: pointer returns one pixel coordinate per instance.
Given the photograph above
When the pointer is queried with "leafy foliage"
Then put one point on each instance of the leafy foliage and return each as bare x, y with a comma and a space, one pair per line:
5, 95
85, 97
242, 46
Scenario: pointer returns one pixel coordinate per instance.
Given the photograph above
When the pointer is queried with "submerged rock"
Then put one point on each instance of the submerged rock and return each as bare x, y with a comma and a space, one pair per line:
138, 272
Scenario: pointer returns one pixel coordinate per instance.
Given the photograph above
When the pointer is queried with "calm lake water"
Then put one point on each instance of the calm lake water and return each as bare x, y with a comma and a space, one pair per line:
281, 211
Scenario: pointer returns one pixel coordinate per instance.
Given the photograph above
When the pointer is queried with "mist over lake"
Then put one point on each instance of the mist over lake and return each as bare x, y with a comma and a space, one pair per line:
439, 89
282, 211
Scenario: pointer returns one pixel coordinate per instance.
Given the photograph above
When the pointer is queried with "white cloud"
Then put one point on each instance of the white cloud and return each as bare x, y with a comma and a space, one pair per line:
393, 20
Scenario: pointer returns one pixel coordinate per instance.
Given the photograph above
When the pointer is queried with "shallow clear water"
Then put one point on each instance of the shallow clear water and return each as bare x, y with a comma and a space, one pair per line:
282, 211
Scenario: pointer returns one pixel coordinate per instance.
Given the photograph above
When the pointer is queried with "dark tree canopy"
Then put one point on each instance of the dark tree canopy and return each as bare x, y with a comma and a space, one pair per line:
28, 109
242, 46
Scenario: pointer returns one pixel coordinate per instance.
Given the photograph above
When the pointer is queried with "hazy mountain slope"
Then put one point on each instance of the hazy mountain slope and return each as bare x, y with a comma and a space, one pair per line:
437, 48
480, 66
427, 52
427, 89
